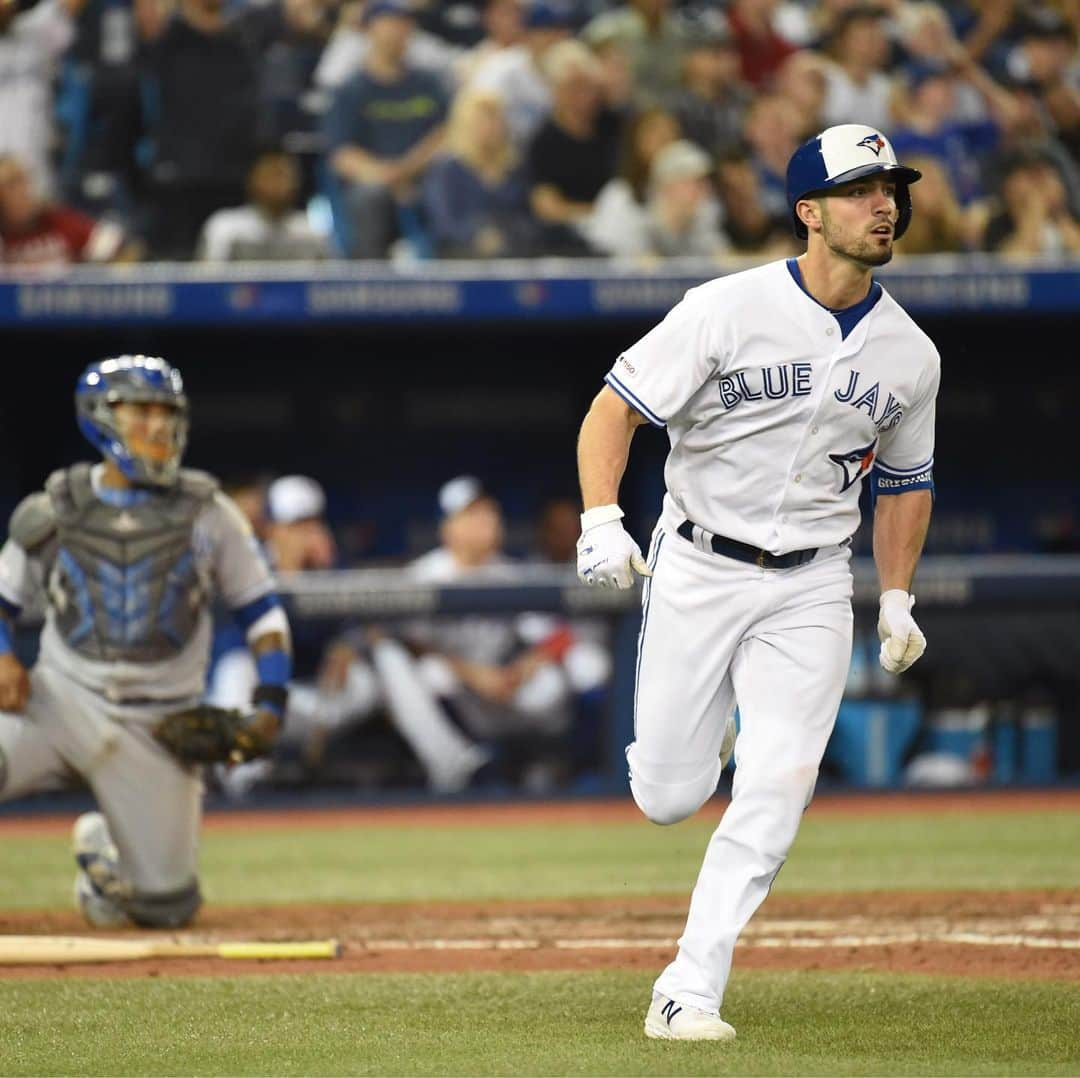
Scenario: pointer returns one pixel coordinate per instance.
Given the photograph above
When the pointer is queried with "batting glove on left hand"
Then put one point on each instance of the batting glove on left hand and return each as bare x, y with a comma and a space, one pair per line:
902, 641
606, 554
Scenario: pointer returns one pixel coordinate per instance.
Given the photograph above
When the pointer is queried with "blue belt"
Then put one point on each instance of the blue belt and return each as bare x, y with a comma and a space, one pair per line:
732, 548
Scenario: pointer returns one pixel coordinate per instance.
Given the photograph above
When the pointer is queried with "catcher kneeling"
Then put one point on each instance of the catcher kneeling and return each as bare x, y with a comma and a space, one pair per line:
129, 554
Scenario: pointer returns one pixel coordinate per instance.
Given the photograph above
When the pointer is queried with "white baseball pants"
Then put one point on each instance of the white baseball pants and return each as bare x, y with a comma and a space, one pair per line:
719, 633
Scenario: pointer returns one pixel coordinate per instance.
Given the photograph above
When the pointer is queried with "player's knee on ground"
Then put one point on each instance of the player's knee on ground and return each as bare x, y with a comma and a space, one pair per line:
166, 909
668, 793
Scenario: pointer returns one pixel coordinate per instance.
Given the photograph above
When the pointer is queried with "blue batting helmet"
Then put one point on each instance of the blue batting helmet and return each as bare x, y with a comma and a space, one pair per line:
839, 155
131, 379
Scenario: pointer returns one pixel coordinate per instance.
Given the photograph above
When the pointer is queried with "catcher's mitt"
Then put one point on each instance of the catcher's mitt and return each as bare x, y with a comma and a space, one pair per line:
211, 735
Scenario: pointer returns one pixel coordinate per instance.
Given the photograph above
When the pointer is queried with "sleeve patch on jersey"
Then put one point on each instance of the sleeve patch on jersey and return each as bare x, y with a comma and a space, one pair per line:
882, 482
633, 401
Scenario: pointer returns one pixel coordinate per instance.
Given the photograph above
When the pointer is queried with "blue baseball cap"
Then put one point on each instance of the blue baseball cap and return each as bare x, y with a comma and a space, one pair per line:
919, 71
544, 14
374, 8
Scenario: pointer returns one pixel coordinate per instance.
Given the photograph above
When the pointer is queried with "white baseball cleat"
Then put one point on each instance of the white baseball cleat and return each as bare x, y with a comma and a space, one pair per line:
671, 1021
97, 859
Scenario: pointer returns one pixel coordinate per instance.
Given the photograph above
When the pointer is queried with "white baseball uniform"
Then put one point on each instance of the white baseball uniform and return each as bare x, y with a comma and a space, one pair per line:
776, 409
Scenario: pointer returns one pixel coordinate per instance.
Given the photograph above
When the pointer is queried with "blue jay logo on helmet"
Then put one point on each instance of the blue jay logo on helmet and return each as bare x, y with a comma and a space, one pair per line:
873, 142
839, 155
131, 379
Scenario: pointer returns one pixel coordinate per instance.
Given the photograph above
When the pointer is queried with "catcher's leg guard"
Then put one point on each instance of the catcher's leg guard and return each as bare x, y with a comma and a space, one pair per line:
171, 909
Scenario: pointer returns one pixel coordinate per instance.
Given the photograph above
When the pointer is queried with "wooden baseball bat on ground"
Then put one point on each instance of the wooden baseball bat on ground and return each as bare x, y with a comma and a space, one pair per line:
68, 950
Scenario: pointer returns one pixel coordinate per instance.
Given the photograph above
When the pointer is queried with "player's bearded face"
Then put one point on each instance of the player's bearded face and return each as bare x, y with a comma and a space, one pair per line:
149, 430
859, 219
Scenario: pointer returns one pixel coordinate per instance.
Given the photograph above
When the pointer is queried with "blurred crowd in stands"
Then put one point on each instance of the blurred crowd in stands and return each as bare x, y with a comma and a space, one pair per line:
223, 130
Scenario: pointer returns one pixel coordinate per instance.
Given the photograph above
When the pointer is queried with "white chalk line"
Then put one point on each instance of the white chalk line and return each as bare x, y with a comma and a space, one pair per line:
974, 939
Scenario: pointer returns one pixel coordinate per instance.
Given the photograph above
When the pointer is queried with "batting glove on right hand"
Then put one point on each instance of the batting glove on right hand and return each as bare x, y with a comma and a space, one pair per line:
902, 641
606, 553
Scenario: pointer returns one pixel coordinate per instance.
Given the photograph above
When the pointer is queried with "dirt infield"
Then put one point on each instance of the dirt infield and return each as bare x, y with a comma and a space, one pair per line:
1021, 935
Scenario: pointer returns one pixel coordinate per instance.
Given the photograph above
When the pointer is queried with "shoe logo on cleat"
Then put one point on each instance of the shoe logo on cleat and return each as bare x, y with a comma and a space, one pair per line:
669, 1010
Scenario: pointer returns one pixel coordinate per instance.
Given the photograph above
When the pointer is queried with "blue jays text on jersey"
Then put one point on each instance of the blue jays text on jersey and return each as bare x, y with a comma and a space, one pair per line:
796, 380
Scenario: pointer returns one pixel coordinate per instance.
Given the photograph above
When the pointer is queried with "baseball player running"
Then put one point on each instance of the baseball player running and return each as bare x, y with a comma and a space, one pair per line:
781, 388
128, 553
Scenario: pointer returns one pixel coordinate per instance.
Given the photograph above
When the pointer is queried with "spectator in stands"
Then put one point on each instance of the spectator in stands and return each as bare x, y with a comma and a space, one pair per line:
772, 131
653, 38
1035, 217
504, 28
683, 212
761, 48
616, 77
42, 234
748, 227
680, 217
574, 153
288, 37
803, 81
476, 196
31, 43
383, 128
616, 223
711, 101
348, 48
101, 105
202, 80
939, 224
517, 74
269, 227
858, 88
926, 36
1046, 62
927, 128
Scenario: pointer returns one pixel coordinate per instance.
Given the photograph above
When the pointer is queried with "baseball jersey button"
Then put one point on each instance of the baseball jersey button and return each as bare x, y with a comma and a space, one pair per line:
798, 477
829, 332
813, 430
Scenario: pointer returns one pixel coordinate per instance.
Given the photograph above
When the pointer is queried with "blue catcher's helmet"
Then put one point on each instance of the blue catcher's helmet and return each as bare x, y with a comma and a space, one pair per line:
131, 379
841, 154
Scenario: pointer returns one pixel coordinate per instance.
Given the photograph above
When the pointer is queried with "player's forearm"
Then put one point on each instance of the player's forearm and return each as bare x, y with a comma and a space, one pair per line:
273, 663
900, 525
604, 448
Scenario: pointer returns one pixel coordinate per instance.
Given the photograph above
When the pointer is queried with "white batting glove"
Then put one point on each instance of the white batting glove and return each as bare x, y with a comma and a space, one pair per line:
606, 553
902, 641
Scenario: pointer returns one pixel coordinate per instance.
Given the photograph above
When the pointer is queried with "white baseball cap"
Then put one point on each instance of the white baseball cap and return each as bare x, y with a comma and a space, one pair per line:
679, 160
294, 497
459, 493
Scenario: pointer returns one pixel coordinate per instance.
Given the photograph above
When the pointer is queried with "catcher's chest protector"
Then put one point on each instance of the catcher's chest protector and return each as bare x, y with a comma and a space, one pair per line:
124, 585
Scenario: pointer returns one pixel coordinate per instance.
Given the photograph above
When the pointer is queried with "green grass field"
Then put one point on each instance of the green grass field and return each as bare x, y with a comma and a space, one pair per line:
554, 1023
392, 863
